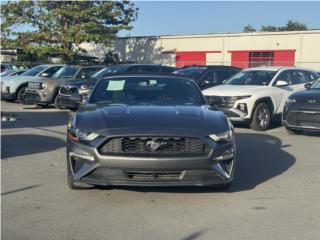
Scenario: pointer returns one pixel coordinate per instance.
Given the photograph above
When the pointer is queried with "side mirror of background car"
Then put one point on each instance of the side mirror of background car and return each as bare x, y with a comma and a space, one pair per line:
308, 85
203, 83
44, 74
281, 83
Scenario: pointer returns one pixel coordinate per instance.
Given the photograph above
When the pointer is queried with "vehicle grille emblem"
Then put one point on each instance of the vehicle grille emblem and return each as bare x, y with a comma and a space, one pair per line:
152, 146
68, 87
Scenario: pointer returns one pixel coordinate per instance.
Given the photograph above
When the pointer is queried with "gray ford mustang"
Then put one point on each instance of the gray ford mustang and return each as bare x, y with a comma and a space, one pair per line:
149, 130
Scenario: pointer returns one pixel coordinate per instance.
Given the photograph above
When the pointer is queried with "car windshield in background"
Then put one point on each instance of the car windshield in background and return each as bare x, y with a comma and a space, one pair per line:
191, 72
316, 84
34, 71
108, 71
253, 77
66, 72
147, 90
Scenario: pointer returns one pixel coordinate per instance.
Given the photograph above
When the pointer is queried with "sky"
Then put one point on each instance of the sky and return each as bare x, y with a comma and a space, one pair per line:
196, 17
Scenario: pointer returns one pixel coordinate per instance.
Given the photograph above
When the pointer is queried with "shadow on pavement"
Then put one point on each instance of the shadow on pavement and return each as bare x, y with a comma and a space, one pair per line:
26, 144
260, 157
34, 119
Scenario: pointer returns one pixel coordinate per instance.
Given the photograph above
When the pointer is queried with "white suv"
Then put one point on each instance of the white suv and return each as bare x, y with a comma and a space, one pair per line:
254, 95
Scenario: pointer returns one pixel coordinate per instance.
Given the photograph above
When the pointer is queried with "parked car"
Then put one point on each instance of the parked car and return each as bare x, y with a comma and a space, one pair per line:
208, 76
13, 87
149, 130
302, 110
84, 87
255, 95
44, 91
11, 73
8, 66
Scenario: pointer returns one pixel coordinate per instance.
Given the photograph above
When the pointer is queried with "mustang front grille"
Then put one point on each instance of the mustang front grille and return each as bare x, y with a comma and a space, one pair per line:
308, 119
221, 101
160, 146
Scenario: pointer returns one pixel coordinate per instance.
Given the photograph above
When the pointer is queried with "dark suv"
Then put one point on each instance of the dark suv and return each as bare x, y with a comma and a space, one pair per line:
82, 88
208, 76
44, 92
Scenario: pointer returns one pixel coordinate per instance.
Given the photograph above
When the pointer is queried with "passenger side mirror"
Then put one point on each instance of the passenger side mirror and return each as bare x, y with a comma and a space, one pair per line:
281, 83
308, 85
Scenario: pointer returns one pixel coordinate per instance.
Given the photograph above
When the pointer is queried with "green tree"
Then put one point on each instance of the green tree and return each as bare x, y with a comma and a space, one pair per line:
249, 28
269, 28
61, 26
291, 26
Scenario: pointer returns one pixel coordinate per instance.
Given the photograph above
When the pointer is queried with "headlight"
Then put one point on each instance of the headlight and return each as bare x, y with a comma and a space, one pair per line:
80, 135
243, 97
83, 87
290, 100
222, 137
44, 85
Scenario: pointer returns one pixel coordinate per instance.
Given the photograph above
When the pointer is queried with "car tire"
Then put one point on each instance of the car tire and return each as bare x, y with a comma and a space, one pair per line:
56, 103
221, 187
74, 186
261, 117
21, 95
294, 131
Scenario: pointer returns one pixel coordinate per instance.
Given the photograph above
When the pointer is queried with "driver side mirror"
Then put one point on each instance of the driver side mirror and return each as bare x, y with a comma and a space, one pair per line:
281, 83
308, 85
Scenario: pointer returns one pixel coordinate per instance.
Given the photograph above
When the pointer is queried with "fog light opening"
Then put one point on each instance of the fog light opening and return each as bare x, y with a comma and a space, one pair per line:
81, 156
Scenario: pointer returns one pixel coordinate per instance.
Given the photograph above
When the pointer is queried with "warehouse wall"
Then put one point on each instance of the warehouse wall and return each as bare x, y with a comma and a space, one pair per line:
219, 47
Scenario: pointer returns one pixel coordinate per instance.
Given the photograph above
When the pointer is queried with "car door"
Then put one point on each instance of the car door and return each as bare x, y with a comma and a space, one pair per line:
50, 71
296, 80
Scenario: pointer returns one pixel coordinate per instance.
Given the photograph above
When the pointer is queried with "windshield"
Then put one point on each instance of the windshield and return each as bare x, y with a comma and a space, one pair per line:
108, 71
253, 77
147, 90
34, 71
316, 84
193, 72
66, 72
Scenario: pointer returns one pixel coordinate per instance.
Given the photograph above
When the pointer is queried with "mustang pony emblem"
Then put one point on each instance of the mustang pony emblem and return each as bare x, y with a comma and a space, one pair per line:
153, 145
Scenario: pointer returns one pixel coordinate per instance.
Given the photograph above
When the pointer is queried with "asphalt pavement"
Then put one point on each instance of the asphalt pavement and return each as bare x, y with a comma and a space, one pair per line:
275, 195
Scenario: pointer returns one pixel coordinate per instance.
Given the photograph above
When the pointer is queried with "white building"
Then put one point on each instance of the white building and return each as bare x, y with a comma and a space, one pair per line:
294, 48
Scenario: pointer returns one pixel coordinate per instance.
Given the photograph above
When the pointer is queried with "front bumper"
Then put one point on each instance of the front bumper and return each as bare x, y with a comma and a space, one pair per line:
37, 96
8, 96
146, 171
65, 102
301, 116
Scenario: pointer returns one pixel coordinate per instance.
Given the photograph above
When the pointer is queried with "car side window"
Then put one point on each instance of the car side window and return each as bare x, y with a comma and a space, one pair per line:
209, 76
299, 77
51, 71
310, 76
87, 72
285, 76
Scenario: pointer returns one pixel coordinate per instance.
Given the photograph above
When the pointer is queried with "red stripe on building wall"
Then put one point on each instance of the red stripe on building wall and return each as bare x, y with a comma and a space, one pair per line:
284, 57
281, 57
187, 58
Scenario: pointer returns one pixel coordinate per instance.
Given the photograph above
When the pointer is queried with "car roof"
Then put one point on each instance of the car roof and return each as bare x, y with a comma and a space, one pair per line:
209, 66
155, 75
275, 68
50, 65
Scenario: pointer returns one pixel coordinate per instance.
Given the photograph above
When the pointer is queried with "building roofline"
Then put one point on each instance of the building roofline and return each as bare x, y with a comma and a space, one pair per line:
227, 34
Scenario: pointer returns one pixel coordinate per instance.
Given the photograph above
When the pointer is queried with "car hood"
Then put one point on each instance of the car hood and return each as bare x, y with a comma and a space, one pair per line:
80, 82
306, 95
152, 119
232, 90
21, 78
